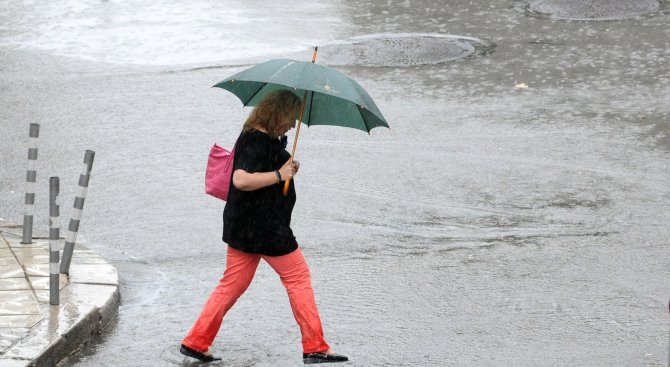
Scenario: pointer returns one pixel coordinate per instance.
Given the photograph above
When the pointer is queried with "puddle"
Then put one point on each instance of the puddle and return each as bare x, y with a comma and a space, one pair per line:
403, 50
593, 9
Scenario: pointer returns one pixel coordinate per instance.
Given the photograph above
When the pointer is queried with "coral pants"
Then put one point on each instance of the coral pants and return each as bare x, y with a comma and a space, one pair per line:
240, 270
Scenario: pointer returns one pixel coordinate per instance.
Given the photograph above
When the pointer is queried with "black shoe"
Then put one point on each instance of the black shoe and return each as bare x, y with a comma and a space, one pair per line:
197, 355
322, 357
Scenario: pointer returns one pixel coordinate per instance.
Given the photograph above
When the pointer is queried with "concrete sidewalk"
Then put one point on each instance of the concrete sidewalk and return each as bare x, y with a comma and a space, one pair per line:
33, 333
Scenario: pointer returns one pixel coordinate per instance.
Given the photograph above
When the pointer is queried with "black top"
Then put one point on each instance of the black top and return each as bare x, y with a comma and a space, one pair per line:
258, 221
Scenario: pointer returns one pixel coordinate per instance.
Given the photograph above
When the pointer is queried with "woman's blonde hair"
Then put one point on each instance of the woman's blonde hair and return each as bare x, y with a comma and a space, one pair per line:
271, 112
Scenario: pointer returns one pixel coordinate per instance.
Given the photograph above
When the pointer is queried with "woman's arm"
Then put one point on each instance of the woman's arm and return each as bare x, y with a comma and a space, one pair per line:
246, 181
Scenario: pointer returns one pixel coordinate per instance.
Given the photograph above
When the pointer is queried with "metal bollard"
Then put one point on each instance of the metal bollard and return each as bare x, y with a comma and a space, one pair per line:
31, 178
75, 217
54, 241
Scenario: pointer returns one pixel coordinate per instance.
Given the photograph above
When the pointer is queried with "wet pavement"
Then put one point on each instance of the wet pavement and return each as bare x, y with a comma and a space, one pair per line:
491, 225
33, 332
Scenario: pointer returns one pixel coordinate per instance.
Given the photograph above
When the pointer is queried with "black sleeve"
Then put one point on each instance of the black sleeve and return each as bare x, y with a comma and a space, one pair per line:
249, 155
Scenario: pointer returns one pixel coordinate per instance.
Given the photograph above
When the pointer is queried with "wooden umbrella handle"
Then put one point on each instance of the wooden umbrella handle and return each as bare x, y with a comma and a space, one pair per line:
287, 183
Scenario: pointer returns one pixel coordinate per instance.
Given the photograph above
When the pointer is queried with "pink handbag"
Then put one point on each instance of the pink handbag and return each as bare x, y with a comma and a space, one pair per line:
219, 172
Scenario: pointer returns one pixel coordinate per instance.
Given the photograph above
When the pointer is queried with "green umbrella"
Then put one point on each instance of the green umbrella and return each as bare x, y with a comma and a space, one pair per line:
329, 96
332, 97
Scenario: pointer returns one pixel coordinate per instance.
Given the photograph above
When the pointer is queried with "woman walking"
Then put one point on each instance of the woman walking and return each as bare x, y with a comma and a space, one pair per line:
256, 225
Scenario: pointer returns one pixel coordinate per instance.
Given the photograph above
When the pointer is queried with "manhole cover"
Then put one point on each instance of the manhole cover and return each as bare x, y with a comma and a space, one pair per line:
592, 9
402, 50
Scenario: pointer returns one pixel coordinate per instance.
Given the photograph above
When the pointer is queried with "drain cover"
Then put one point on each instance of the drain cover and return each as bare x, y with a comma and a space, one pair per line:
405, 50
592, 9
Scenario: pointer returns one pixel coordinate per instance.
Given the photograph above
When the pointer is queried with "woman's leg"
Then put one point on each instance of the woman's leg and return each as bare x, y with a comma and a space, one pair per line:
294, 274
240, 270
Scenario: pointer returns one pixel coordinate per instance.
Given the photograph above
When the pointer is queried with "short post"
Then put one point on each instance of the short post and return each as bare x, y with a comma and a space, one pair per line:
54, 241
75, 217
31, 178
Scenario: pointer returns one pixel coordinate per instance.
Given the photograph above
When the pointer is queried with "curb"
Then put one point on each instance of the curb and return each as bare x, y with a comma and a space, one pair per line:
80, 333
89, 301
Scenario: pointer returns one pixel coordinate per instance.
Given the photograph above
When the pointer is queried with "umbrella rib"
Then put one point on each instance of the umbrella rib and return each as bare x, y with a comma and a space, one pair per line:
311, 106
360, 111
255, 93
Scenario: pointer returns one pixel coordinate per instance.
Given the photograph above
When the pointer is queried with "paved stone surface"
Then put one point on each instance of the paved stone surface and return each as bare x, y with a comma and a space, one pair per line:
34, 333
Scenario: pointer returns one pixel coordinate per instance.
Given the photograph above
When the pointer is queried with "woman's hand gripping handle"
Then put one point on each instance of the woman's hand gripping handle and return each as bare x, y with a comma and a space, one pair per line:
287, 171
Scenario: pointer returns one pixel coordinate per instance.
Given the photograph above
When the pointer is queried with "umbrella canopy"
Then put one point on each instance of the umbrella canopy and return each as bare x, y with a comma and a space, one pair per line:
332, 98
